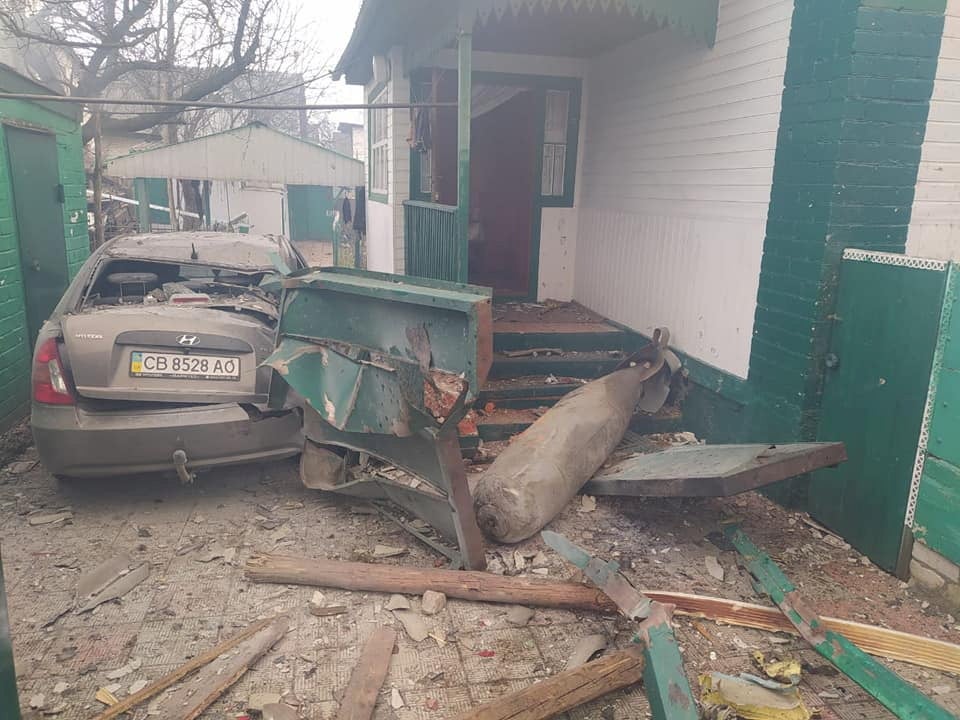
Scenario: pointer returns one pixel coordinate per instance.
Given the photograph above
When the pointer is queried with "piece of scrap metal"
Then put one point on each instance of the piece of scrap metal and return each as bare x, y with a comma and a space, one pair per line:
712, 470
387, 366
895, 693
664, 679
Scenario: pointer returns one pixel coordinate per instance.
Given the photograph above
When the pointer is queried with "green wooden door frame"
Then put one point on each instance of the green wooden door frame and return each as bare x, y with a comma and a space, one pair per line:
541, 84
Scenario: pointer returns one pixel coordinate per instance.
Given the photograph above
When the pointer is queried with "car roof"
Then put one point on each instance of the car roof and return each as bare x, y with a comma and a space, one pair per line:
219, 249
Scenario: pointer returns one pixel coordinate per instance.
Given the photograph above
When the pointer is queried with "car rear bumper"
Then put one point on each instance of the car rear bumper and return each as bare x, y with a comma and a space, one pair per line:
81, 443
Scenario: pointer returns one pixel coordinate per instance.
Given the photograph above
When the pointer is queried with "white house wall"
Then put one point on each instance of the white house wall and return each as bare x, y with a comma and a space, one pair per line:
677, 170
935, 221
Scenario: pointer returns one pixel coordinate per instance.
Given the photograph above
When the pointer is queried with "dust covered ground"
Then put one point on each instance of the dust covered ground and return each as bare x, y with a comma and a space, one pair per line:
187, 606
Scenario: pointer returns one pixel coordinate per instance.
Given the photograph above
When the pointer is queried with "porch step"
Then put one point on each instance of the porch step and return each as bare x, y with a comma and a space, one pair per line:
526, 392
573, 364
504, 423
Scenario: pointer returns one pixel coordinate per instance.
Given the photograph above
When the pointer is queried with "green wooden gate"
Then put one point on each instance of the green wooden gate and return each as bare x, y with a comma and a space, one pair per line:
884, 336
311, 212
38, 206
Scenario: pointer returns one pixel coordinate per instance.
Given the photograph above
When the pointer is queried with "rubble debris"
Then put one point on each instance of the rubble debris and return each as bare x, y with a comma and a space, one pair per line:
124, 670
279, 711
196, 693
61, 687
432, 602
187, 668
564, 691
217, 552
367, 677
110, 580
540, 560
519, 615
37, 702
413, 624
714, 568
396, 699
136, 686
585, 650
519, 561
328, 610
725, 696
786, 672
521, 590
40, 517
588, 503
106, 697
398, 602
893, 692
542, 469
386, 551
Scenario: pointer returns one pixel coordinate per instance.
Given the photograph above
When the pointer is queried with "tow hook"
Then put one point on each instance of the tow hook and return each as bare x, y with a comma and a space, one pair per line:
180, 463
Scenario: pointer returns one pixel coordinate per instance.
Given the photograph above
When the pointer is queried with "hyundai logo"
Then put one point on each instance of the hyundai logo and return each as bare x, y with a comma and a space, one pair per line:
188, 339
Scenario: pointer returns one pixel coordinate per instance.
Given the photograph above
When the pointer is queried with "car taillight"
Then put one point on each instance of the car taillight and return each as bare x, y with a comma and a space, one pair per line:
51, 385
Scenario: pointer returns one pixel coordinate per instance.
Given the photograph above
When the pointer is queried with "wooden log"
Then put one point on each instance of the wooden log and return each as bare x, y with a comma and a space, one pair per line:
564, 691
198, 692
484, 587
368, 676
181, 672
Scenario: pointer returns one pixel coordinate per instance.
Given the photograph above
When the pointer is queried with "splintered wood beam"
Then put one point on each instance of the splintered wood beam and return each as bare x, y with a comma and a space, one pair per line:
368, 676
564, 691
484, 587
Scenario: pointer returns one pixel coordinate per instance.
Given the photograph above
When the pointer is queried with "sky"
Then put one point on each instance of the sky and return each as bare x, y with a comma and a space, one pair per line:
328, 24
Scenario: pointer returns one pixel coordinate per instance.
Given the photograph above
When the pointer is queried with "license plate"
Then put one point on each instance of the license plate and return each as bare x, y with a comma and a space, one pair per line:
186, 367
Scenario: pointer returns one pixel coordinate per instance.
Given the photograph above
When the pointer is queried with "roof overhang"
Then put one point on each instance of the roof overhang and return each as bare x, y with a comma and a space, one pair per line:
425, 26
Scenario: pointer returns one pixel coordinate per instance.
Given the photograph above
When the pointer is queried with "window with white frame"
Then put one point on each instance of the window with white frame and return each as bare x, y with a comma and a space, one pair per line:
556, 122
379, 146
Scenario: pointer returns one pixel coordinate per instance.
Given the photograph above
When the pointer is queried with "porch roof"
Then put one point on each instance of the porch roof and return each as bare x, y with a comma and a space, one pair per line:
425, 26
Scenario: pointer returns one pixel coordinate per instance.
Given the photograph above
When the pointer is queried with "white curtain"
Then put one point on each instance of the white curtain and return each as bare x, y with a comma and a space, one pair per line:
489, 97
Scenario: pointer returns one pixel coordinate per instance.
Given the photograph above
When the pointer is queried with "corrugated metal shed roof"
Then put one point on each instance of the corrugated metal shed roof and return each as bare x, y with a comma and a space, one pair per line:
254, 152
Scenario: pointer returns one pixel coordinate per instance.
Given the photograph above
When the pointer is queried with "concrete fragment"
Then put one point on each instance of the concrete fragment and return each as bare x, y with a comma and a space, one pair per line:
944, 689
37, 701
519, 615
387, 551
937, 562
413, 624
432, 602
124, 670
257, 701
109, 580
136, 686
588, 503
925, 577
278, 711
540, 571
396, 699
585, 649
540, 560
714, 568
61, 687
398, 602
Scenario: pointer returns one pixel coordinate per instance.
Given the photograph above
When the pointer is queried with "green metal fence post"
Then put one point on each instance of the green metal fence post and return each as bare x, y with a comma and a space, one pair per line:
464, 113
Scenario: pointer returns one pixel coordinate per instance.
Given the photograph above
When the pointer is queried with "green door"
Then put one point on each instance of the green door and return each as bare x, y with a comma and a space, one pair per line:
882, 346
38, 212
311, 212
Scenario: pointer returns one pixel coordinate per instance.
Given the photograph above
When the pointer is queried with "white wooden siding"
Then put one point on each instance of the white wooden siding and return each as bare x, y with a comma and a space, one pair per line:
674, 188
935, 220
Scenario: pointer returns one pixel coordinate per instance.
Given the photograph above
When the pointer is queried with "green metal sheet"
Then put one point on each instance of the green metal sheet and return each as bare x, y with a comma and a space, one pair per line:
311, 212
38, 206
885, 330
896, 694
9, 704
938, 507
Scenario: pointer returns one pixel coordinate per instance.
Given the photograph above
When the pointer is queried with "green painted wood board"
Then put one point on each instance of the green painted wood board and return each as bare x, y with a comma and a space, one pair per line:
884, 335
938, 503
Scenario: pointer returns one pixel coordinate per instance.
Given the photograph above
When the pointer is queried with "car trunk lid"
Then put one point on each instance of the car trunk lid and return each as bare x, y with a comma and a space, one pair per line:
168, 354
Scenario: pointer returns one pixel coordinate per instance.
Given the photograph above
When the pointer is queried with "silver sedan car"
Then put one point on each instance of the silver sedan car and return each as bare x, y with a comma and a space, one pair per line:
151, 360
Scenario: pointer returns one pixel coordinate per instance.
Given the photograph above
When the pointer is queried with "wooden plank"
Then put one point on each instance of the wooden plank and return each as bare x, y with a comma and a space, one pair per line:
367, 677
484, 587
181, 672
195, 695
565, 691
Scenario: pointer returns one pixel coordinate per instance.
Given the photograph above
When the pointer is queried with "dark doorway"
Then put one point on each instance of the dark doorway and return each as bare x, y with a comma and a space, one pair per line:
504, 160
38, 212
